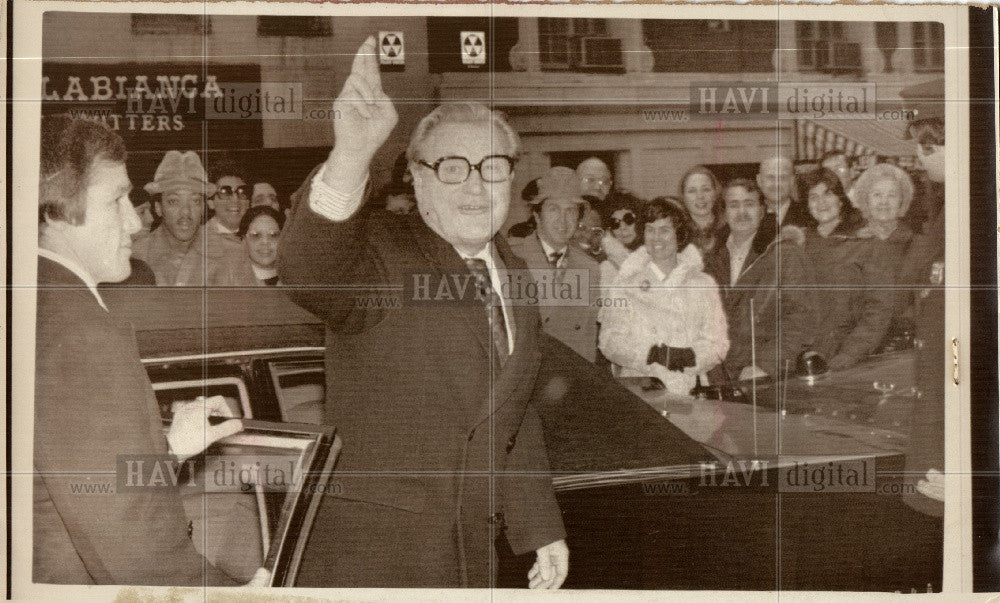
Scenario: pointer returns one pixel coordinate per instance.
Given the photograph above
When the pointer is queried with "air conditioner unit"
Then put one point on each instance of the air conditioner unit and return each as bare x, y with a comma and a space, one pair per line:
842, 57
600, 54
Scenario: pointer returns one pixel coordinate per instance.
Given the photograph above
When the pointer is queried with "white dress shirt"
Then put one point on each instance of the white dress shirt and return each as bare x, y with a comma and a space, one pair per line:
75, 269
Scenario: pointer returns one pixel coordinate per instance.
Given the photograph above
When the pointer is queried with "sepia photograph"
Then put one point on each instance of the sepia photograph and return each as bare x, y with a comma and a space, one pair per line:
487, 299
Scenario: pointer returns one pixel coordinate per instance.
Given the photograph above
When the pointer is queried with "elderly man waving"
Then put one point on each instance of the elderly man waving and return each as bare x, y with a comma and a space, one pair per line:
442, 450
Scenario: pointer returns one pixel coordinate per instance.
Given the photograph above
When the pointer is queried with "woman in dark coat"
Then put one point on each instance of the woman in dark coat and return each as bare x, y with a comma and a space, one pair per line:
849, 273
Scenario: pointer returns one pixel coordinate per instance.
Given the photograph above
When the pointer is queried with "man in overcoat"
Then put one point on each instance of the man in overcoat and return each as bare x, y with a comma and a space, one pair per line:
428, 390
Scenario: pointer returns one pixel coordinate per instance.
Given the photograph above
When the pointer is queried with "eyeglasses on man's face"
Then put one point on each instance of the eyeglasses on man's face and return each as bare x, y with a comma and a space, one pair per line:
456, 170
242, 191
594, 181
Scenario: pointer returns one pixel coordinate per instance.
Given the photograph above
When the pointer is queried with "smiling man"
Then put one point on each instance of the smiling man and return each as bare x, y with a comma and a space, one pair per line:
175, 250
557, 209
442, 451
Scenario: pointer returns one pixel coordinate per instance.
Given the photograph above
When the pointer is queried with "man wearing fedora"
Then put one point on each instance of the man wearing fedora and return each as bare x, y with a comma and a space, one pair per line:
556, 264
175, 250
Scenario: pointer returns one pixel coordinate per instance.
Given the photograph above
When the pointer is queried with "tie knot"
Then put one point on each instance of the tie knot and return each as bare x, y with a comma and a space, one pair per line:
476, 265
554, 257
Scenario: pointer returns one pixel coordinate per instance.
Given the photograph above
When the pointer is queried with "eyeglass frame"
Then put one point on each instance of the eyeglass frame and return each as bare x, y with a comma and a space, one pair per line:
616, 223
246, 188
469, 167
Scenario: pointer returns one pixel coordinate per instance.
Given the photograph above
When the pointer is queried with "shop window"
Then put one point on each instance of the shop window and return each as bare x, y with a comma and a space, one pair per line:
160, 24
299, 27
578, 45
815, 41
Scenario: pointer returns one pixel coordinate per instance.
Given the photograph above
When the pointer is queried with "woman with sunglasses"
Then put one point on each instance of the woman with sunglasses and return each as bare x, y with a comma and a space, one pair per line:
700, 190
259, 230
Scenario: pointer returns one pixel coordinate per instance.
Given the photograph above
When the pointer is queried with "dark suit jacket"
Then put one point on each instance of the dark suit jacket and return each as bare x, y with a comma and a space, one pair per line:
576, 326
413, 390
769, 265
93, 402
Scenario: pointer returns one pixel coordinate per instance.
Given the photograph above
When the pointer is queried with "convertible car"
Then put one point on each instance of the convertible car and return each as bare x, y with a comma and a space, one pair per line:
657, 491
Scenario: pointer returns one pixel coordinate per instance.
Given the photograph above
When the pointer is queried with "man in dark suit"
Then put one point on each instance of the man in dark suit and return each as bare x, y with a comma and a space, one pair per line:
557, 208
749, 262
93, 400
441, 450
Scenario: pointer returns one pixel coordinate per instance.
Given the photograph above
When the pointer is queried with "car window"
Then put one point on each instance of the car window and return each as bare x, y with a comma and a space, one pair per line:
300, 388
233, 389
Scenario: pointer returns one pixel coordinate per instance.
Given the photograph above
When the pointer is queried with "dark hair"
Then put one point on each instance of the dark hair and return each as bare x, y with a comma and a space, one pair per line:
619, 200
69, 147
226, 165
530, 191
745, 183
255, 212
850, 217
671, 209
536, 208
927, 131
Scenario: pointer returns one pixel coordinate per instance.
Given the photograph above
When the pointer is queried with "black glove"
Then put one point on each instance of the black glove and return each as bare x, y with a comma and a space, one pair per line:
675, 359
657, 354
679, 359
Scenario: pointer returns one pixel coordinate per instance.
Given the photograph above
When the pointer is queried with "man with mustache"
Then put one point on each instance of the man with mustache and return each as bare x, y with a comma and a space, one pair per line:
175, 250
747, 265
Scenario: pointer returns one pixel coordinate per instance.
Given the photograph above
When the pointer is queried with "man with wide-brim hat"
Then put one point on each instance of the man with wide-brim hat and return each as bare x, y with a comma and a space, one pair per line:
175, 249
557, 265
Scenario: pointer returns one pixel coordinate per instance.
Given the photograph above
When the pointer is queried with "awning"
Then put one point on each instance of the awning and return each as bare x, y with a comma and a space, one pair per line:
855, 137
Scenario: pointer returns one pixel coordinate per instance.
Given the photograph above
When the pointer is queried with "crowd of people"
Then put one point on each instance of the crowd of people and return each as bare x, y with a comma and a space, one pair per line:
729, 281
721, 282
735, 280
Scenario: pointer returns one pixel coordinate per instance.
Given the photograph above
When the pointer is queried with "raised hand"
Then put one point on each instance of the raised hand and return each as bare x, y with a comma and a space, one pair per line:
363, 115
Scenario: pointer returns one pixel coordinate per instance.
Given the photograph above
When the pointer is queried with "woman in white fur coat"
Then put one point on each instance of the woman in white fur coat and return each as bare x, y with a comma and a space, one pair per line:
671, 325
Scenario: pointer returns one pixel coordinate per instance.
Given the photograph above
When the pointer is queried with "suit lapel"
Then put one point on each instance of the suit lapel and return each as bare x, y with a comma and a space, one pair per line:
445, 262
506, 379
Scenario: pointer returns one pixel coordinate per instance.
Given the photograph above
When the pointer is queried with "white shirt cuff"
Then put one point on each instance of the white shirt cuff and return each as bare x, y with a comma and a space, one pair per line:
332, 203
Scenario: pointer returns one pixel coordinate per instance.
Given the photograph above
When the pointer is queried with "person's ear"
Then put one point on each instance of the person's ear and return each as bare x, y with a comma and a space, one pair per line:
56, 225
415, 176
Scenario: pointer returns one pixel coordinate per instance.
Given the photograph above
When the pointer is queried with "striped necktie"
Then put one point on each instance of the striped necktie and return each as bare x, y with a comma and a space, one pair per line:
494, 310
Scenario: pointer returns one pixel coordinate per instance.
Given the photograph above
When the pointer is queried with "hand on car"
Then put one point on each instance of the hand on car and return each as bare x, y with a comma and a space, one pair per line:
364, 117
551, 568
190, 431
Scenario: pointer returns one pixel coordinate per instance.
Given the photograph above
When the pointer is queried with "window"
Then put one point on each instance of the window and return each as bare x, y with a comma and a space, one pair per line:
565, 44
928, 46
300, 388
814, 41
300, 27
195, 25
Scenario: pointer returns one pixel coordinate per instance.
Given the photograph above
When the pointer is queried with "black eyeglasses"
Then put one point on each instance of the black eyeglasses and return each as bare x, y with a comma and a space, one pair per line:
456, 170
628, 219
227, 191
